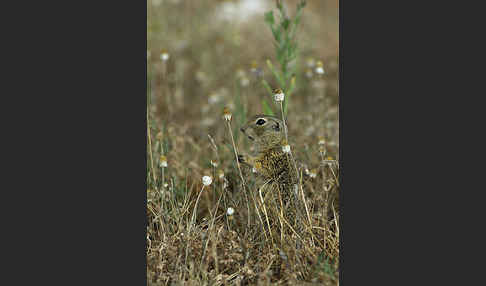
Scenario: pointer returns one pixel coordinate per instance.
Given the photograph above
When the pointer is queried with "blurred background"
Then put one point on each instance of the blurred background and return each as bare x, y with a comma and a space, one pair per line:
214, 48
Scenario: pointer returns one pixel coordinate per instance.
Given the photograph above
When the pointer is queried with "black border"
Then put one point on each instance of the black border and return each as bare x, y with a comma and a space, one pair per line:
81, 107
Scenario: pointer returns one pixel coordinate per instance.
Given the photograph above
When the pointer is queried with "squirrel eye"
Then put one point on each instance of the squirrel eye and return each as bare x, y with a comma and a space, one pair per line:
260, 121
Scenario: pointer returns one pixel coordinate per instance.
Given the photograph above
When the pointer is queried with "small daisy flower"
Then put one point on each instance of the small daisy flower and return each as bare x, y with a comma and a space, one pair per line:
220, 174
163, 161
164, 56
240, 73
322, 149
308, 73
329, 161
207, 180
322, 141
230, 211
313, 173
310, 62
214, 164
214, 98
254, 66
278, 94
319, 68
255, 70
201, 76
285, 147
254, 170
244, 81
226, 114
166, 185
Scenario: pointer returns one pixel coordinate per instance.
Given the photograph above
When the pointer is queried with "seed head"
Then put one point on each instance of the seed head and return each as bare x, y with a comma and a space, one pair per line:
240, 73
164, 56
320, 68
244, 81
254, 66
310, 62
306, 171
226, 114
322, 141
207, 180
322, 149
220, 174
285, 146
278, 94
214, 98
313, 173
308, 73
230, 211
214, 164
163, 161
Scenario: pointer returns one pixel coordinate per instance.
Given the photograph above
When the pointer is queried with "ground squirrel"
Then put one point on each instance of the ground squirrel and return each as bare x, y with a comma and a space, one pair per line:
269, 161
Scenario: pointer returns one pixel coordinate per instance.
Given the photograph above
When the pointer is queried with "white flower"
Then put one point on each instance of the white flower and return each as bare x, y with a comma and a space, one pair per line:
163, 161
320, 68
166, 185
254, 170
279, 95
308, 73
164, 56
311, 62
214, 98
286, 148
244, 81
226, 114
207, 180
240, 73
230, 211
214, 164
313, 174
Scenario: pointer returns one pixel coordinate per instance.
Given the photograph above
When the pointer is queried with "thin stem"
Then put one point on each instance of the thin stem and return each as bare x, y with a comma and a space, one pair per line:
286, 139
239, 170
193, 219
150, 148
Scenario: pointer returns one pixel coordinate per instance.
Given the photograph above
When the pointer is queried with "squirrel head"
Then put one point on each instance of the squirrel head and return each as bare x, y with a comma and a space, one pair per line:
266, 131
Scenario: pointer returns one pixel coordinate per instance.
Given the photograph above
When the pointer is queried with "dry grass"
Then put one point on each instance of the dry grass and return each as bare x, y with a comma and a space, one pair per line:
209, 67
